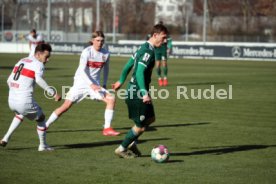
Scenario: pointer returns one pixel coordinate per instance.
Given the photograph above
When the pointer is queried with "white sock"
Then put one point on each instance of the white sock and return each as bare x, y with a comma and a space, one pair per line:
51, 119
108, 116
41, 131
121, 148
14, 124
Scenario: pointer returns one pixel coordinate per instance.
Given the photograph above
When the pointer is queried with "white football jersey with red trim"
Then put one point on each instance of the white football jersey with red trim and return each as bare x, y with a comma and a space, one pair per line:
22, 79
34, 42
93, 61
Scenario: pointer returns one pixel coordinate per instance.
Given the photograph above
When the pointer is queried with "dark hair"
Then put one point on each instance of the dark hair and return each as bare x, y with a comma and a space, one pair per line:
33, 31
42, 47
158, 28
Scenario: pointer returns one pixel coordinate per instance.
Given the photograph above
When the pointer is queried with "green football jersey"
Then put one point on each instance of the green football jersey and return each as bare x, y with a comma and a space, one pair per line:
144, 60
169, 42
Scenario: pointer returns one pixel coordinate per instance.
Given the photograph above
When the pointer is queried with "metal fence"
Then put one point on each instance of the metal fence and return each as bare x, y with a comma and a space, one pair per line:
73, 21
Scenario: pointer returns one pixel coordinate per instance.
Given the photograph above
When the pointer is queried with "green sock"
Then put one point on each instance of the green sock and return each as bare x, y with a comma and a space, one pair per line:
130, 137
165, 71
158, 71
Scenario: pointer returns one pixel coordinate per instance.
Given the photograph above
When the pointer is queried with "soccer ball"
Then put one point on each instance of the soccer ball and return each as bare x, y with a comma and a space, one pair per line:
160, 154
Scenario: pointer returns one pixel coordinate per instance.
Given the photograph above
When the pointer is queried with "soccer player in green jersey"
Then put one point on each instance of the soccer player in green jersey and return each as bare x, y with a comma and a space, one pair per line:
161, 57
139, 103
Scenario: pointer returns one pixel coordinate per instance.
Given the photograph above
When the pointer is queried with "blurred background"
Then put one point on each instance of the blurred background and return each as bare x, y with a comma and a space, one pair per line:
187, 20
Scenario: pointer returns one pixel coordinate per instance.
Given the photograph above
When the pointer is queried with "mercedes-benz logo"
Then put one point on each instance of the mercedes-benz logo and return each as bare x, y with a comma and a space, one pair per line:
236, 51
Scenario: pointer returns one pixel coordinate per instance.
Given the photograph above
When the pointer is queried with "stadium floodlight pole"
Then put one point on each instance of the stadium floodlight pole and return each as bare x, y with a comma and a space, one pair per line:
186, 22
98, 15
2, 21
49, 21
204, 21
114, 22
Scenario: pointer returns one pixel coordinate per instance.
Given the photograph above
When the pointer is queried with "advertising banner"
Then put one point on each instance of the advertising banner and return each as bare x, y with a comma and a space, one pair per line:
210, 50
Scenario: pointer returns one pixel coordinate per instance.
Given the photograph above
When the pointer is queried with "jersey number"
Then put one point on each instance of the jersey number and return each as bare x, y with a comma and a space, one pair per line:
146, 57
18, 72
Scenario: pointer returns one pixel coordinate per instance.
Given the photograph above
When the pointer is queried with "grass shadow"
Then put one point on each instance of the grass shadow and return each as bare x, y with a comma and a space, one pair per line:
65, 76
173, 161
154, 127
89, 145
200, 83
227, 149
76, 130
52, 68
104, 143
181, 125
6, 67
221, 150
169, 161
151, 128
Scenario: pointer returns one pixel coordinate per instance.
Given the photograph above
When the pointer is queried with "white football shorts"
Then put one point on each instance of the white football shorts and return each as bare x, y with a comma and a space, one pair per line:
30, 110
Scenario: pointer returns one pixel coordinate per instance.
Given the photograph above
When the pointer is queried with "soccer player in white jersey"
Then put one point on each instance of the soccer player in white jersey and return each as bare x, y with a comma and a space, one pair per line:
87, 83
34, 39
21, 82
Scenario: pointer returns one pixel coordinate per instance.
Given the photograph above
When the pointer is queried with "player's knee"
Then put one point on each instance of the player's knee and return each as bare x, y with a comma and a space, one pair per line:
41, 125
41, 118
138, 130
143, 129
110, 99
19, 116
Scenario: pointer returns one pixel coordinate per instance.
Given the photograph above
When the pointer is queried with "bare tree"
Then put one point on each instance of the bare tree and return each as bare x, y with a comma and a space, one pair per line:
238, 17
106, 17
136, 16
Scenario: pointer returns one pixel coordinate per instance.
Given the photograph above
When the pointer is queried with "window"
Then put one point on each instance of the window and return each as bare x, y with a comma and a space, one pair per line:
170, 8
160, 8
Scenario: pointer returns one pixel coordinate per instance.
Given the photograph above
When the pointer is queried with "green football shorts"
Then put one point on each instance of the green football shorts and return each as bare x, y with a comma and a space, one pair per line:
160, 56
139, 112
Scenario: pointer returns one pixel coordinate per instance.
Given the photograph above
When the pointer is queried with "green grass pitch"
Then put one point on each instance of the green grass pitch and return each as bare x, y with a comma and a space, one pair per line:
230, 141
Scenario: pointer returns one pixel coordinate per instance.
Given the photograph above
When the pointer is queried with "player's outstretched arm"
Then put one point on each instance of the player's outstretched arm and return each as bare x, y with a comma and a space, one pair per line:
42, 83
127, 68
